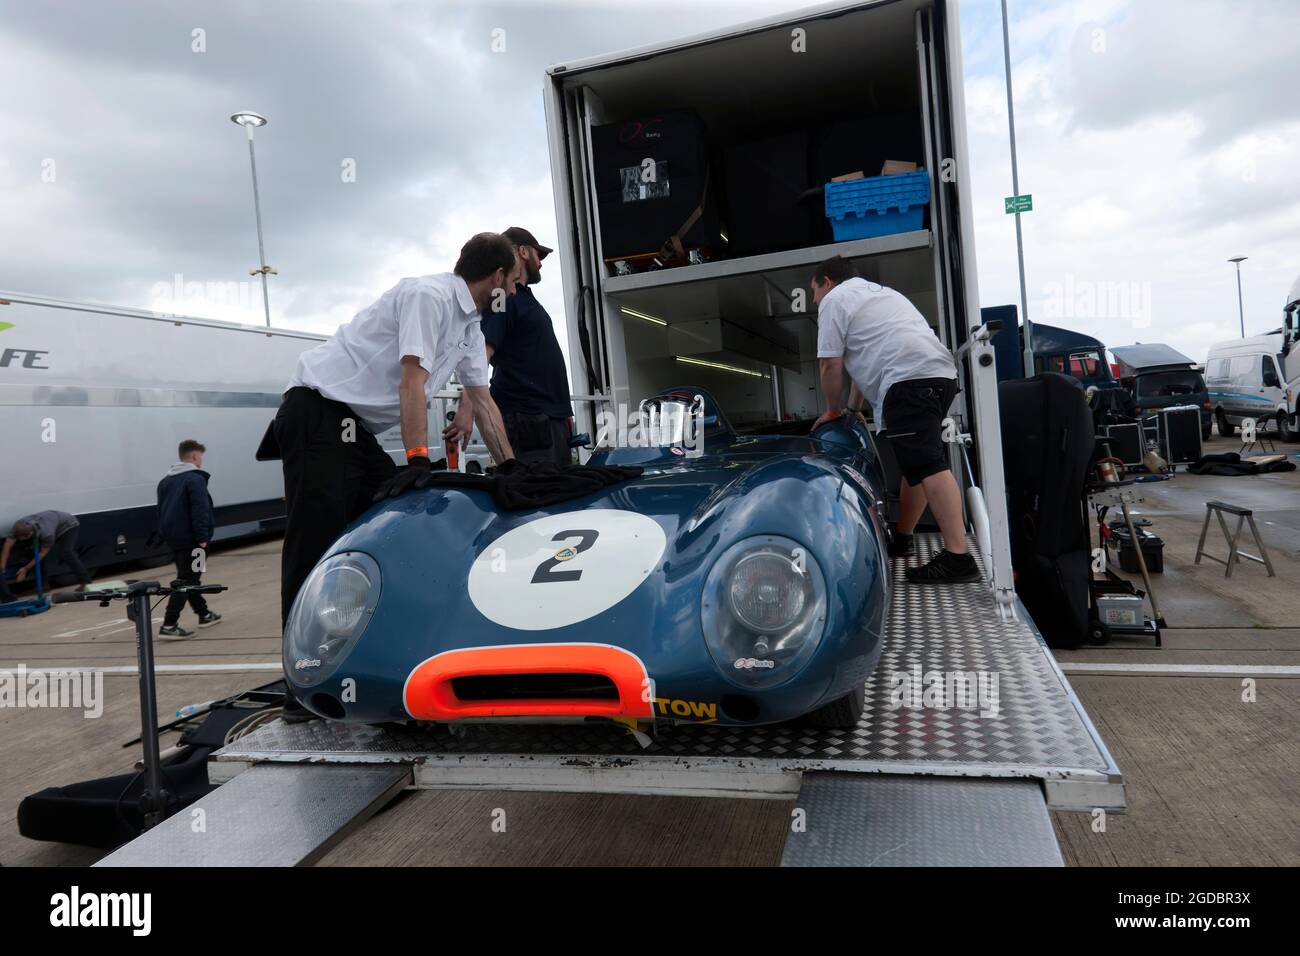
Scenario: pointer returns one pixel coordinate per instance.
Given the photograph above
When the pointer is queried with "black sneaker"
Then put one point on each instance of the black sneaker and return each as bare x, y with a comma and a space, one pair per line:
901, 545
208, 619
945, 568
174, 632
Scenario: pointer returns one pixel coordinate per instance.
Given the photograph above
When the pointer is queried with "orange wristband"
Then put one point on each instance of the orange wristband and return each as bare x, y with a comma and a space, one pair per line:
421, 451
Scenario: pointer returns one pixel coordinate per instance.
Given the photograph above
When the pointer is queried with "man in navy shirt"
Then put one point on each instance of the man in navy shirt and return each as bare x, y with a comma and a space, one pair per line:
530, 383
186, 521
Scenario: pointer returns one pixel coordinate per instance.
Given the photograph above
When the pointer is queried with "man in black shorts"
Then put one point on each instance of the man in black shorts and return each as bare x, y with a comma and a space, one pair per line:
910, 380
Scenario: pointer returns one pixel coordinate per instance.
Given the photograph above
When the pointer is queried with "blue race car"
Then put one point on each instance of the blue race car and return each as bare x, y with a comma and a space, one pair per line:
740, 579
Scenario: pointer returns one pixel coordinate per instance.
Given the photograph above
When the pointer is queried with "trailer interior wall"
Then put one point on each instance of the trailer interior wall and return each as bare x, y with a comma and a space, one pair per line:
859, 59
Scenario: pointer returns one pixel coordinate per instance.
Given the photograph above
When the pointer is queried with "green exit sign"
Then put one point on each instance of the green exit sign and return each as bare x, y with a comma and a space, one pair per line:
1023, 203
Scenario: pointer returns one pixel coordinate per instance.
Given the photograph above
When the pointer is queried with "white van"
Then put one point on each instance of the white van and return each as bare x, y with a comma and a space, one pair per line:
1244, 379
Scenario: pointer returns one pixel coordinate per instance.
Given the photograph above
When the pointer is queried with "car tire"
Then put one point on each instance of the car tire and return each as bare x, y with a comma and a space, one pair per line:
1226, 428
1285, 431
842, 714
1206, 429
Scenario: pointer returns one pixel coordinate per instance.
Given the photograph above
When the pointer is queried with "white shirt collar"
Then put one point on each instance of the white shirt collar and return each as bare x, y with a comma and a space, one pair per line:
463, 295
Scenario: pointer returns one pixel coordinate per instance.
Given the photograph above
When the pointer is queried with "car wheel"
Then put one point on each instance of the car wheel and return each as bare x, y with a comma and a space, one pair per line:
842, 714
1205, 431
1285, 432
1226, 428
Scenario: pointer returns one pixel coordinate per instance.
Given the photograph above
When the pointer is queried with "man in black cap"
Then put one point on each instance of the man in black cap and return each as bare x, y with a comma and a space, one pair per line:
530, 383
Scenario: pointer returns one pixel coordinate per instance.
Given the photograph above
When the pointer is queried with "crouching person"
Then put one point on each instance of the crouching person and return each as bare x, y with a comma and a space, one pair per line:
44, 531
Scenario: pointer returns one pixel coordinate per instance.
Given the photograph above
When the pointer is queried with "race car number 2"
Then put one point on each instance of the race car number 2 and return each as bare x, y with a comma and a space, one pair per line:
562, 569
547, 570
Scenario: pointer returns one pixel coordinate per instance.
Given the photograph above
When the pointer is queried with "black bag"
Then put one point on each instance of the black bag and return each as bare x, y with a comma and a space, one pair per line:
863, 144
675, 210
1047, 448
106, 812
769, 208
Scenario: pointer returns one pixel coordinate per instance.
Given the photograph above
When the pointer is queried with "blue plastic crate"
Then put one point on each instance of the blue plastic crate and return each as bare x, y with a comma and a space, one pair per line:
877, 206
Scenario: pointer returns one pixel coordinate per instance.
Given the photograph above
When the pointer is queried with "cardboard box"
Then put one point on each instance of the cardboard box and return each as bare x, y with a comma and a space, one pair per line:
894, 166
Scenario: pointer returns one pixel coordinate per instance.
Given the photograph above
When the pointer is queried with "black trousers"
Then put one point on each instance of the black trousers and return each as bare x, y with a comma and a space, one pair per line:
538, 438
65, 549
328, 480
185, 559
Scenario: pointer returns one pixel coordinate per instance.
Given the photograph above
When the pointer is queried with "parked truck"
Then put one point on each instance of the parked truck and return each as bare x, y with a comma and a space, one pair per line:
1291, 355
94, 400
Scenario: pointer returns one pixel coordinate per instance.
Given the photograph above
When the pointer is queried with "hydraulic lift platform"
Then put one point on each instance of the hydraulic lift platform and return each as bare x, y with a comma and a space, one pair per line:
969, 783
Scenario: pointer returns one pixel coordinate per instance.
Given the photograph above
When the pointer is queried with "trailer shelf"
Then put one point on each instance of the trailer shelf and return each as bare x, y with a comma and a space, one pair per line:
796, 259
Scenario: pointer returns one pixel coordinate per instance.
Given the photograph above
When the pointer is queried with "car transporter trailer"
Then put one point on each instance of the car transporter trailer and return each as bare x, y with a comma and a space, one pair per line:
968, 780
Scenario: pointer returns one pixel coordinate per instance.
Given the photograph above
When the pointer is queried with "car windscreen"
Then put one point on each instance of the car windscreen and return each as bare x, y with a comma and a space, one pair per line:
1169, 384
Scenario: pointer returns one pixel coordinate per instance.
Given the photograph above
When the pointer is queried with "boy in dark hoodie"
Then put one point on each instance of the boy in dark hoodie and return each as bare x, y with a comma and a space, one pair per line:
186, 522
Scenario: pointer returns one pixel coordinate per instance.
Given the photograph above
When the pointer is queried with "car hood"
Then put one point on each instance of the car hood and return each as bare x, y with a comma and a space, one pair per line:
629, 564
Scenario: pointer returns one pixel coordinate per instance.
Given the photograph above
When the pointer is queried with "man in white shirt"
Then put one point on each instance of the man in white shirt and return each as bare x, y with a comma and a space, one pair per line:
381, 370
898, 364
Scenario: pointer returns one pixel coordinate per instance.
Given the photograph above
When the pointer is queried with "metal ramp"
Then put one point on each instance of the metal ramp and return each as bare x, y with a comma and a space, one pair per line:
970, 785
270, 816
861, 820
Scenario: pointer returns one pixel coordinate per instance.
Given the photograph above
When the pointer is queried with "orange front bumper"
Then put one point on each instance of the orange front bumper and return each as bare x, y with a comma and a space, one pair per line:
429, 694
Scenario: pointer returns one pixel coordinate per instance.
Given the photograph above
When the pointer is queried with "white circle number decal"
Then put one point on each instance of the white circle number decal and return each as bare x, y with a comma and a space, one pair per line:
563, 569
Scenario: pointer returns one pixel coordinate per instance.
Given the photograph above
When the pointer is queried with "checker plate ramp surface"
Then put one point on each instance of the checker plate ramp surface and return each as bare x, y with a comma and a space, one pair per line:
854, 819
1038, 729
269, 816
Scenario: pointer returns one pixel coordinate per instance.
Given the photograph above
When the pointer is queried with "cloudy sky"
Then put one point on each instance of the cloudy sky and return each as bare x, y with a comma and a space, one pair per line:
1156, 136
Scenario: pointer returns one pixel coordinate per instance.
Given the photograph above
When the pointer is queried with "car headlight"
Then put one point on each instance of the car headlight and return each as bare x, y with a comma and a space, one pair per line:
764, 610
331, 611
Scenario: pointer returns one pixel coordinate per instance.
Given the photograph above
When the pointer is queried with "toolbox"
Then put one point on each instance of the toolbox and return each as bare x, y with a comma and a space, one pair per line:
1153, 550
1121, 612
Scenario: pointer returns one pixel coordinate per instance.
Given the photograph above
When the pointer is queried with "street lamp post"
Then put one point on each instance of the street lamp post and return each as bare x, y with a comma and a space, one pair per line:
1015, 191
1241, 313
250, 121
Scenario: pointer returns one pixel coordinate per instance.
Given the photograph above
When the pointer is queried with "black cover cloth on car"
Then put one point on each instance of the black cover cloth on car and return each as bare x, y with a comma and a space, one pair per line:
1231, 463
516, 486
